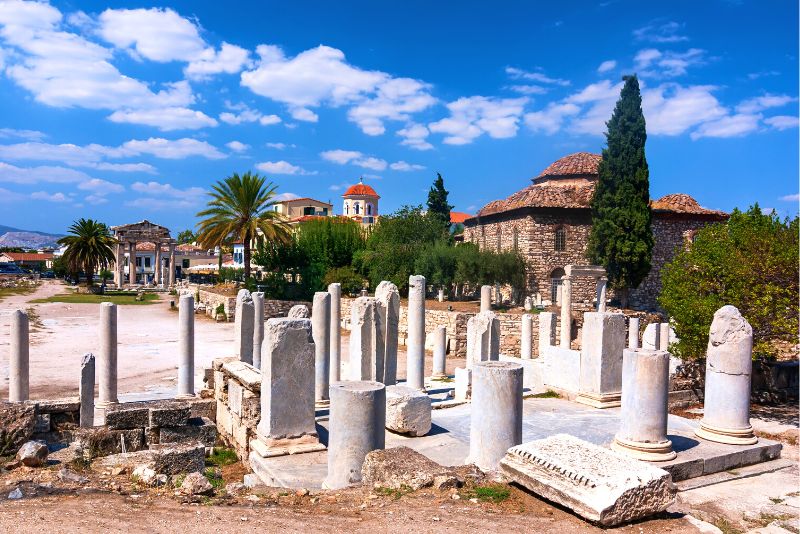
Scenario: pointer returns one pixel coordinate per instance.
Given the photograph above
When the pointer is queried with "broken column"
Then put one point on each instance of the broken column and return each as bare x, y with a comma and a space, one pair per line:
526, 350
602, 343
496, 416
19, 358
566, 312
633, 333
486, 298
547, 331
408, 411
602, 283
243, 328
440, 352
726, 413
336, 336
483, 338
366, 340
663, 336
107, 394
258, 327
645, 390
320, 323
186, 346
415, 349
86, 391
287, 424
357, 421
387, 297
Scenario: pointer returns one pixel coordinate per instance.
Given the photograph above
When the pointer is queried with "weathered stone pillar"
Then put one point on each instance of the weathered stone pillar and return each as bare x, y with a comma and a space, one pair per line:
258, 327
526, 350
601, 359
336, 335
547, 331
86, 391
601, 294
131, 262
357, 421
243, 326
440, 295
633, 333
387, 298
415, 349
157, 267
486, 298
366, 340
440, 352
483, 338
729, 364
566, 312
320, 325
663, 336
119, 260
19, 358
171, 264
186, 346
108, 356
496, 416
645, 389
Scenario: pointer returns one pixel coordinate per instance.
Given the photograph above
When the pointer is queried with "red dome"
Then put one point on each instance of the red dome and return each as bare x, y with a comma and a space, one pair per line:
361, 189
578, 164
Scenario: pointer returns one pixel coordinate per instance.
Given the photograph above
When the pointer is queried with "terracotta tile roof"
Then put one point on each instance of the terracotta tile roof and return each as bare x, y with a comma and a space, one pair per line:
578, 164
544, 195
681, 203
28, 256
303, 199
304, 218
361, 189
458, 217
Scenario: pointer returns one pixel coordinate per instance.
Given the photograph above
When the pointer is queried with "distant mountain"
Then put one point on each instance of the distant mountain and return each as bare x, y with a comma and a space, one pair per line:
14, 237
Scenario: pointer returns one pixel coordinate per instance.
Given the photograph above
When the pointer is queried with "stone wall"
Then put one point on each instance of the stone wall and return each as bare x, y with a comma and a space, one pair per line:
272, 308
237, 391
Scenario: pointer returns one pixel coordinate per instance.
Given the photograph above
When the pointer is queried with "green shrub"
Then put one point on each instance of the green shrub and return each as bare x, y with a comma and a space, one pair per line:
351, 281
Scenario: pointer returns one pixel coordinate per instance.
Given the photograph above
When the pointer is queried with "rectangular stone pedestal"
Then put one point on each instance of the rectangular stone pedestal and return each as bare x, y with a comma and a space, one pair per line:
268, 448
612, 400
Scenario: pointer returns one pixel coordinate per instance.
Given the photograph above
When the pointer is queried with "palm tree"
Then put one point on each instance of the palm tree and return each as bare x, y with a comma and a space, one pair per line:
240, 208
88, 247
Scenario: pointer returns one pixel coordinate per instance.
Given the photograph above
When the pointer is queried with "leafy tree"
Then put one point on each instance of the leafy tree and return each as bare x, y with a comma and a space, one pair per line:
239, 208
60, 267
88, 247
186, 236
437, 202
621, 239
749, 262
351, 281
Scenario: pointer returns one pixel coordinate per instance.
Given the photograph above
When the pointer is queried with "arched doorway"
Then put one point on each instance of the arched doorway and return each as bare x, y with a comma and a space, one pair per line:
555, 283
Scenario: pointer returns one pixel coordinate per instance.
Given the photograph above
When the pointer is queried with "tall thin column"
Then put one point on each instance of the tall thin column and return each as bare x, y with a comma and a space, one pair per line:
486, 298
258, 327
387, 298
243, 326
18, 364
645, 390
496, 417
663, 336
186, 346
108, 355
526, 348
157, 267
601, 293
171, 264
415, 351
633, 333
131, 262
566, 312
335, 291
118, 261
547, 331
320, 325
440, 352
86, 391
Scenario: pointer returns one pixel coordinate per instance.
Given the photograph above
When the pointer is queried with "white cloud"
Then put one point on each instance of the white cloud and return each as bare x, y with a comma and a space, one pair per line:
405, 167
396, 99
782, 122
790, 198
164, 196
161, 204
550, 119
672, 109
668, 32
49, 197
30, 135
237, 146
247, 115
100, 187
762, 74
760, 103
369, 162
415, 136
528, 89
607, 65
282, 167
730, 126
279, 146
470, 117
342, 157
229, 59
286, 196
536, 76
173, 149
31, 175
303, 114
653, 62
95, 199
165, 119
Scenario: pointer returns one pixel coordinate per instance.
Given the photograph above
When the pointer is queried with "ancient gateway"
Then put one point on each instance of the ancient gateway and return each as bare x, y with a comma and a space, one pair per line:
136, 236
548, 222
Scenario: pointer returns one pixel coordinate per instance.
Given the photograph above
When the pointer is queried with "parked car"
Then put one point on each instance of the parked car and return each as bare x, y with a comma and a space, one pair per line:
48, 274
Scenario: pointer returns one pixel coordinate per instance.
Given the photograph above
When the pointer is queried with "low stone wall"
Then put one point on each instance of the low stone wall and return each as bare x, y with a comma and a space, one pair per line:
237, 392
211, 300
280, 308
771, 382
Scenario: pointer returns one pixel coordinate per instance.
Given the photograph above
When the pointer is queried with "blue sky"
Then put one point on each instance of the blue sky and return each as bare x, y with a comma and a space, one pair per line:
129, 110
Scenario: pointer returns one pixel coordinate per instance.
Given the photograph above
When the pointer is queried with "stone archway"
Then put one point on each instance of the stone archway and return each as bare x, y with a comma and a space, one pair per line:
128, 236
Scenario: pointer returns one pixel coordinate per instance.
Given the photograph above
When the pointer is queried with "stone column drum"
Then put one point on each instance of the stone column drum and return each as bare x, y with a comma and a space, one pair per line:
357, 421
336, 335
320, 323
663, 336
602, 283
547, 331
486, 298
645, 389
566, 312
440, 352
387, 298
19, 358
496, 416
107, 394
483, 338
186, 347
729, 364
366, 340
258, 327
415, 348
633, 333
171, 265
526, 350
243, 326
86, 391
602, 343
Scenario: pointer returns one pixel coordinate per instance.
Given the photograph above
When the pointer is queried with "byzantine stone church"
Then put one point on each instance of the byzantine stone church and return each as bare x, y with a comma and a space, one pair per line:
549, 222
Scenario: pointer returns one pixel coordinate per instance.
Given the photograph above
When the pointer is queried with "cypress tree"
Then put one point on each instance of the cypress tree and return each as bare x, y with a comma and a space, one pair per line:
621, 239
437, 202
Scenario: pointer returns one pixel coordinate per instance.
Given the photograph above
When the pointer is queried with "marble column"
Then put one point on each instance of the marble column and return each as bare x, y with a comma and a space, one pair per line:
171, 265
186, 346
633, 333
243, 326
526, 349
415, 349
131, 263
19, 358
729, 364
566, 312
108, 356
645, 391
440, 352
602, 283
387, 298
496, 416
258, 327
486, 298
86, 391
119, 272
602, 343
157, 267
335, 329
547, 331
366, 340
663, 336
320, 325
483, 338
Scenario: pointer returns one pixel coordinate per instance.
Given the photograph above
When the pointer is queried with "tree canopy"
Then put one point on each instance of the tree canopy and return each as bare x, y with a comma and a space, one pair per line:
88, 245
437, 202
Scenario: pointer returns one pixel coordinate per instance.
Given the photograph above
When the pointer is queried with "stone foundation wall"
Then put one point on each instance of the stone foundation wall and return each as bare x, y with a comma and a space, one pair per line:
272, 308
237, 392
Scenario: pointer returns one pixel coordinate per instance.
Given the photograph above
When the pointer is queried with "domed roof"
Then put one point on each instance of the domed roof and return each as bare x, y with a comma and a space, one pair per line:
361, 189
578, 164
681, 203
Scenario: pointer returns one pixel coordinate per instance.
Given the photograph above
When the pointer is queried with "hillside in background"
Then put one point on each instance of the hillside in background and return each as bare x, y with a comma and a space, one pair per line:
14, 237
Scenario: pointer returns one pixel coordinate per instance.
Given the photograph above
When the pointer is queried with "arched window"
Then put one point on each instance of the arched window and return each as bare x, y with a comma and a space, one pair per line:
515, 239
369, 209
560, 242
499, 238
555, 283
347, 209
356, 207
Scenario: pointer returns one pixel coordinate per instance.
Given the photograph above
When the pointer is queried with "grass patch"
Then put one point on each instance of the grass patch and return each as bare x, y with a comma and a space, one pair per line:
726, 526
215, 478
776, 500
34, 320
221, 457
6, 292
442, 379
549, 394
494, 493
86, 298
394, 493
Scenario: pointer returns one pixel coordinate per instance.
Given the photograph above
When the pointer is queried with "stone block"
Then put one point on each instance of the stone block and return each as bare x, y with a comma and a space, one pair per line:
101, 441
562, 368
127, 416
68, 404
224, 419
218, 363
402, 467
251, 409
199, 429
483, 337
208, 377
531, 372
594, 482
463, 388
235, 393
220, 386
169, 414
203, 408
244, 373
152, 435
42, 423
603, 340
173, 459
16, 425
408, 411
